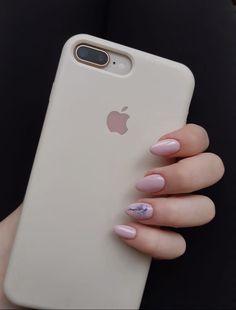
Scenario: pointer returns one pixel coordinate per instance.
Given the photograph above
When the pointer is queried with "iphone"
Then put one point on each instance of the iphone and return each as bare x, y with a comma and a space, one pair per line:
109, 103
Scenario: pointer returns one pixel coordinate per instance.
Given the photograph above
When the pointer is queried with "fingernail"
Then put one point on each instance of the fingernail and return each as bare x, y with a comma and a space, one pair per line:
125, 231
151, 183
165, 147
140, 210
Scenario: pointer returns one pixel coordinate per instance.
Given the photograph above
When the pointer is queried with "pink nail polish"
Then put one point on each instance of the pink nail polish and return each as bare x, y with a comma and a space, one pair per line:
165, 147
125, 231
140, 210
151, 183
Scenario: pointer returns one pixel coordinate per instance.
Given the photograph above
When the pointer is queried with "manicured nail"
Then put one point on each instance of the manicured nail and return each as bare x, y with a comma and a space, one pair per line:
140, 210
165, 147
151, 183
125, 231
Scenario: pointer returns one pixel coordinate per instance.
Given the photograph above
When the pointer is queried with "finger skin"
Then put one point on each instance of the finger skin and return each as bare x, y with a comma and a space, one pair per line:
193, 139
155, 242
179, 211
189, 174
7, 233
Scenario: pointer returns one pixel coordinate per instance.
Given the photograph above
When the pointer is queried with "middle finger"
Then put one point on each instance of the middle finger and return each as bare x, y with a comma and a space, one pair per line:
185, 176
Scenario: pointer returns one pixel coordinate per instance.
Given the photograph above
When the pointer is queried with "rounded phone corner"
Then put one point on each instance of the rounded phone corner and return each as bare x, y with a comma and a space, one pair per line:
13, 298
8, 292
188, 73
77, 38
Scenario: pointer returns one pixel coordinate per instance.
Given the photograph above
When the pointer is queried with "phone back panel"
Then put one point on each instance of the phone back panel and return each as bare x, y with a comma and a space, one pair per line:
65, 254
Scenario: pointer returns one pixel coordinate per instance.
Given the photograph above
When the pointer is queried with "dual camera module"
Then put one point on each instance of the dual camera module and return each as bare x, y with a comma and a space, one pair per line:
108, 60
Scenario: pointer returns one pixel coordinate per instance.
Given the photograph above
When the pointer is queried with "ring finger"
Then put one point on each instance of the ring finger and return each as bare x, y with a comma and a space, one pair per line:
187, 175
174, 211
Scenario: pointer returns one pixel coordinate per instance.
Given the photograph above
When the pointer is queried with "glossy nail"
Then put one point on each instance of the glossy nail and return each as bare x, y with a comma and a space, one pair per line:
165, 147
140, 210
151, 183
125, 231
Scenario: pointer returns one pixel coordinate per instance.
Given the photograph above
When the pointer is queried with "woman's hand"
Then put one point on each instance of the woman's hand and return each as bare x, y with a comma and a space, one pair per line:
170, 203
172, 208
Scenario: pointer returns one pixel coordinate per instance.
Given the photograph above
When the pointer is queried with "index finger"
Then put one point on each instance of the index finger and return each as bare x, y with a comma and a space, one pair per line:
187, 141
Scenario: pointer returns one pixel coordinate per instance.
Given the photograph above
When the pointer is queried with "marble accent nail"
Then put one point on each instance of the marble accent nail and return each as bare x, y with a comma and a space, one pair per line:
140, 210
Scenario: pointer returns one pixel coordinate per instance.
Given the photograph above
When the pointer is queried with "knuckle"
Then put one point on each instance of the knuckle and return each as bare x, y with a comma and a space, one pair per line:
182, 247
176, 249
217, 165
198, 133
211, 210
221, 166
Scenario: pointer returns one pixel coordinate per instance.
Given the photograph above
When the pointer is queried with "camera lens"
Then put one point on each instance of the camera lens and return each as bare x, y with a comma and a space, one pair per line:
92, 55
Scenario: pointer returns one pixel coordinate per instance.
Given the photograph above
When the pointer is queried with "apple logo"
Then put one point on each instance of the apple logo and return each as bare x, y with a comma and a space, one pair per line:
116, 121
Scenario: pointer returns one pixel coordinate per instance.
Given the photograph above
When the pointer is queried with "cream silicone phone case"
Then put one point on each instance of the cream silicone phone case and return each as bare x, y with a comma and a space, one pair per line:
65, 254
